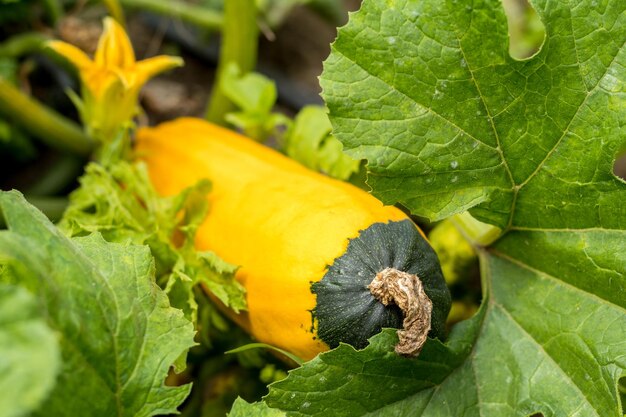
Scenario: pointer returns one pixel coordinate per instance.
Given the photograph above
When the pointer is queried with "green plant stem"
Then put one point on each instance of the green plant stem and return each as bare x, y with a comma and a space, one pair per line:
23, 44
44, 123
200, 16
332, 10
476, 232
53, 9
249, 346
58, 178
455, 252
239, 45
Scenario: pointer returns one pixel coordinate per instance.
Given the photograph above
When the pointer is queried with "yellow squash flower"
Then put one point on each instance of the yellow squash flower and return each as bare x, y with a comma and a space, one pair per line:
112, 80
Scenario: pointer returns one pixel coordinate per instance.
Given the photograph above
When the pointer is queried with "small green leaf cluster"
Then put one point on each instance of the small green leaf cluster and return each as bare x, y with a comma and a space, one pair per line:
307, 138
120, 203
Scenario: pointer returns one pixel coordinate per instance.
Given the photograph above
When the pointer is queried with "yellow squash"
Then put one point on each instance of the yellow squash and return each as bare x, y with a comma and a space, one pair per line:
281, 222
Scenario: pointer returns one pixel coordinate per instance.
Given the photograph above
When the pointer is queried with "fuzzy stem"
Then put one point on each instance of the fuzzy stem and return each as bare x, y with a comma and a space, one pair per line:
239, 45
58, 178
197, 15
53, 9
44, 123
22, 44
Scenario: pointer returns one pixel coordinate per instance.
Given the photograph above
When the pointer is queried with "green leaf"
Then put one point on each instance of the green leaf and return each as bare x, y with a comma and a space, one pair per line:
427, 92
121, 204
244, 409
251, 92
29, 353
255, 95
118, 333
309, 142
346, 382
530, 354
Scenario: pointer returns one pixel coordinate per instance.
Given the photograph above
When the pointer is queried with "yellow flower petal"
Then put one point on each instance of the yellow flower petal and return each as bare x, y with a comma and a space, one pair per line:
111, 82
150, 67
98, 82
77, 57
114, 47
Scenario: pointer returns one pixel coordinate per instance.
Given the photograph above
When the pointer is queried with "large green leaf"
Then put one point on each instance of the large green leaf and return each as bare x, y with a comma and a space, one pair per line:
118, 334
426, 91
29, 353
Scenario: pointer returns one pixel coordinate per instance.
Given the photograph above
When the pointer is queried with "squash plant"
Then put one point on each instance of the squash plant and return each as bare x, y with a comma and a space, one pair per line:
97, 312
310, 247
427, 93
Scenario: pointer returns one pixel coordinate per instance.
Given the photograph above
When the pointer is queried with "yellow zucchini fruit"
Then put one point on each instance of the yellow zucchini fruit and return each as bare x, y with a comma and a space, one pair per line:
283, 224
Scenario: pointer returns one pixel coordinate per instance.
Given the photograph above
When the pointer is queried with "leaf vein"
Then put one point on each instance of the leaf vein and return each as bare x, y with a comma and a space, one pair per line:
553, 278
569, 124
564, 375
430, 110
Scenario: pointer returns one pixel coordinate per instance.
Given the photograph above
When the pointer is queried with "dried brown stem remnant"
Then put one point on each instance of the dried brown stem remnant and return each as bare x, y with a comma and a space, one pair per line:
407, 292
